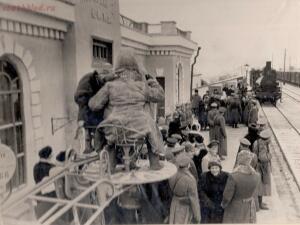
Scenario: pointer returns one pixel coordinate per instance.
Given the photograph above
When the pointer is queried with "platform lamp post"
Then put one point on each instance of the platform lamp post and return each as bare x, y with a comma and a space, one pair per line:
246, 68
192, 72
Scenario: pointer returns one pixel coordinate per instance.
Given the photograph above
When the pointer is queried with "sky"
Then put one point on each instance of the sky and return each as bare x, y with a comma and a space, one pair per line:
231, 33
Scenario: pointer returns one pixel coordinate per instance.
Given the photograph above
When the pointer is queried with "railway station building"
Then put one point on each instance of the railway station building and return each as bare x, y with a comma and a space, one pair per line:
46, 46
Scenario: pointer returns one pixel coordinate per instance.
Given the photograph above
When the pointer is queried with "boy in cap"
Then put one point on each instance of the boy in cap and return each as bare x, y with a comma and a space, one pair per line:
210, 118
262, 150
212, 155
185, 207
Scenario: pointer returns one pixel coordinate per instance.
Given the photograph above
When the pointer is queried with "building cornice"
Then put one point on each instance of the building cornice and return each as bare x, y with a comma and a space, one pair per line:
157, 41
60, 10
30, 29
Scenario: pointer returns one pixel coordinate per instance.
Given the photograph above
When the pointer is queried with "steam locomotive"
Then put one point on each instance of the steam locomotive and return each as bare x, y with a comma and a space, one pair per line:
264, 84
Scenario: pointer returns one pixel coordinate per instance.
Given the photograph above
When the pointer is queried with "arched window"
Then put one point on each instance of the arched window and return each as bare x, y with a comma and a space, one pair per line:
11, 118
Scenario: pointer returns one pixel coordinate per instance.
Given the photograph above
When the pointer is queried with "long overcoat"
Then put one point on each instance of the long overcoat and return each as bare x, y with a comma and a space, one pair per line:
235, 111
125, 100
263, 167
220, 133
211, 190
253, 115
210, 119
185, 206
238, 197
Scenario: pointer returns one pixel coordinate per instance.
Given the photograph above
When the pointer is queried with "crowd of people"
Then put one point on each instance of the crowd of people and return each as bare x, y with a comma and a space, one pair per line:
201, 191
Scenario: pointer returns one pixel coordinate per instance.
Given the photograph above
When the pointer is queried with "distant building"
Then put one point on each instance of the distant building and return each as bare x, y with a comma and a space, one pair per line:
46, 46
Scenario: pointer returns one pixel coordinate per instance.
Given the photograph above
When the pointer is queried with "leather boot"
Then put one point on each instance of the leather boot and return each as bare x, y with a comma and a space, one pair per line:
112, 158
154, 161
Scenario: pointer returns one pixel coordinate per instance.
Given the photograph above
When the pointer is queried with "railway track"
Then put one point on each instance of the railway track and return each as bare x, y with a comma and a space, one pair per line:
284, 173
292, 94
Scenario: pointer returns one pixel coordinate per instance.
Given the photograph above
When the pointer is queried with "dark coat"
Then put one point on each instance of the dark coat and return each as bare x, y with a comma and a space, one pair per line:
220, 134
41, 170
210, 119
202, 114
87, 87
174, 127
211, 190
238, 197
252, 136
198, 161
235, 111
185, 205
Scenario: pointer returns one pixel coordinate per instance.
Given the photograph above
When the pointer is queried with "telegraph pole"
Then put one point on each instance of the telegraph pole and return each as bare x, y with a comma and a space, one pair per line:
284, 59
192, 72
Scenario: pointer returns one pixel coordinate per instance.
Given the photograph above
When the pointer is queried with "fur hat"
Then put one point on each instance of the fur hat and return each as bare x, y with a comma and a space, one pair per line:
126, 60
244, 157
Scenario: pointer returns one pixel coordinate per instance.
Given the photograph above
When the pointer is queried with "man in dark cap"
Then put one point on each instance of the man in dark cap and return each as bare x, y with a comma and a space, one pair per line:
87, 87
195, 103
185, 207
210, 118
220, 132
42, 168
